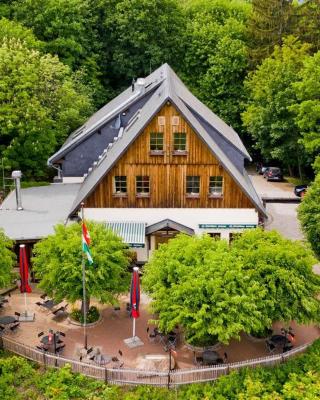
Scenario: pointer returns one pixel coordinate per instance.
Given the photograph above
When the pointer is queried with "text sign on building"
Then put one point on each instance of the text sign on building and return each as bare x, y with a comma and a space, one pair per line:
227, 226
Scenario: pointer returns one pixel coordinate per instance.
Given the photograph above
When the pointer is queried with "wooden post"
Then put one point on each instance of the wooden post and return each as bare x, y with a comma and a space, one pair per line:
106, 375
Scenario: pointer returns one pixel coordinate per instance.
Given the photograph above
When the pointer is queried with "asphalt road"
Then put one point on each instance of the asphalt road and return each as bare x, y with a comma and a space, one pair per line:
282, 217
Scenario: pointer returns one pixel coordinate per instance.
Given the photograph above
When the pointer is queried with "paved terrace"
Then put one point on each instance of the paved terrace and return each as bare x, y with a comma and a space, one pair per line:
114, 328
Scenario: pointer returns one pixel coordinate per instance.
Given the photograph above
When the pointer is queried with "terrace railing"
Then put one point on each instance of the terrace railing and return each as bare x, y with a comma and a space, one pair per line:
126, 376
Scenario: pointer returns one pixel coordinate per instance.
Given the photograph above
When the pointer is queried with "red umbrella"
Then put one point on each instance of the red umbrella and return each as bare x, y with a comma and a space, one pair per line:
24, 270
135, 298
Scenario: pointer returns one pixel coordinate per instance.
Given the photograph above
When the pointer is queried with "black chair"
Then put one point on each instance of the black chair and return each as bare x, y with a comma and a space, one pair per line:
43, 296
57, 310
14, 327
270, 346
115, 359
120, 353
90, 350
60, 348
128, 309
62, 334
225, 357
40, 334
17, 313
39, 304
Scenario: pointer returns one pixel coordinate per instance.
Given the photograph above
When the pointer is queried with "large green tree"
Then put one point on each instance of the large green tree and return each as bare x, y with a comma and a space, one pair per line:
309, 215
267, 26
216, 58
7, 260
58, 258
307, 109
216, 291
41, 101
268, 116
67, 29
138, 36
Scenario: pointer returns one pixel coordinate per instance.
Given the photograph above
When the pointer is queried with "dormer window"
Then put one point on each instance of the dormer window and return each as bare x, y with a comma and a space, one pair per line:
216, 186
193, 186
179, 143
120, 186
156, 143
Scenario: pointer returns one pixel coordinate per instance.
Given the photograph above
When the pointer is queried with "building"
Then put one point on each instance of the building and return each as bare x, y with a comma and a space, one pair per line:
155, 161
151, 163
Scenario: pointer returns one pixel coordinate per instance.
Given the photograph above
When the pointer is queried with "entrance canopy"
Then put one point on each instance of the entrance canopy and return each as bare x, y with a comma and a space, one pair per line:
167, 224
132, 233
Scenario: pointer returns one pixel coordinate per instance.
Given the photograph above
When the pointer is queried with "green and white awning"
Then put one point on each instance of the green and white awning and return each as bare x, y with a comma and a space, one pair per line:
132, 233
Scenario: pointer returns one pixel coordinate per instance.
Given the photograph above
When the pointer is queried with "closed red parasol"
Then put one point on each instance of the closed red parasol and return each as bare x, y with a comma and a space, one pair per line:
24, 270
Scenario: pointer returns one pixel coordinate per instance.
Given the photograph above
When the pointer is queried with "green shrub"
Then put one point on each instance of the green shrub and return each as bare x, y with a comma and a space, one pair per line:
92, 315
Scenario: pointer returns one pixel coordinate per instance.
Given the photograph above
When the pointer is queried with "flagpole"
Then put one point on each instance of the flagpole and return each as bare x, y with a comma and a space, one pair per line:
84, 291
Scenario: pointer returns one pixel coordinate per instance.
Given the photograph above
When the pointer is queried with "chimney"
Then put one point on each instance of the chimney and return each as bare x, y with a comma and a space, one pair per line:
141, 82
16, 176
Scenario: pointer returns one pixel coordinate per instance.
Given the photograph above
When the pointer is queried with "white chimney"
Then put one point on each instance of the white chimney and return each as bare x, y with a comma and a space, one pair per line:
16, 176
141, 85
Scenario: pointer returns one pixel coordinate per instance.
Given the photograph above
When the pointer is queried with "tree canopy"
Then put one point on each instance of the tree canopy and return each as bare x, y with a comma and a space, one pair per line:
268, 117
58, 258
7, 260
41, 101
216, 291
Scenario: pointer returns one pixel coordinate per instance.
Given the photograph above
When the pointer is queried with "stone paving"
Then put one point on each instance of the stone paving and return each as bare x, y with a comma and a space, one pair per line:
109, 334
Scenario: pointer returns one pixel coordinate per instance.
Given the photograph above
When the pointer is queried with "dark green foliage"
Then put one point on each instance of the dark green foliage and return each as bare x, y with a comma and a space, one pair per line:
92, 315
211, 289
309, 215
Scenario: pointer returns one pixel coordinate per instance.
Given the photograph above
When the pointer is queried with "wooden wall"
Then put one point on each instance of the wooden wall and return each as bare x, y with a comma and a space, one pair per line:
168, 172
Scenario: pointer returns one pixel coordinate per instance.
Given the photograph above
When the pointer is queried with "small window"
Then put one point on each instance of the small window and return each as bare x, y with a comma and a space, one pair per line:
120, 185
156, 142
215, 235
175, 120
142, 186
161, 121
216, 186
193, 186
180, 142
233, 235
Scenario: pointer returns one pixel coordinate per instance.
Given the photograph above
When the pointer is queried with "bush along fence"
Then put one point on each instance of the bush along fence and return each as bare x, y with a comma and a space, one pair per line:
126, 376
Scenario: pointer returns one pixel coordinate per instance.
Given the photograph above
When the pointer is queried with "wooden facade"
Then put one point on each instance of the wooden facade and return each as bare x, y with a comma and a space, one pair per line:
168, 171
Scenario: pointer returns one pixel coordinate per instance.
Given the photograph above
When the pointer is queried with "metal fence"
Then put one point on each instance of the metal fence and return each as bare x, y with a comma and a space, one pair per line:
126, 376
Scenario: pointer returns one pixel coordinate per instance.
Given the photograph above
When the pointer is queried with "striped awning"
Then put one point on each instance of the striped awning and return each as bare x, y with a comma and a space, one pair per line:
132, 233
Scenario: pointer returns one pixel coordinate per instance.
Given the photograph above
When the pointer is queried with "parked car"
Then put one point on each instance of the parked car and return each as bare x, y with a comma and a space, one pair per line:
300, 190
273, 174
261, 169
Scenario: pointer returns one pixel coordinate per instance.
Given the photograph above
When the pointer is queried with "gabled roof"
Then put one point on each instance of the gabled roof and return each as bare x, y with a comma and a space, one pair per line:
162, 85
168, 223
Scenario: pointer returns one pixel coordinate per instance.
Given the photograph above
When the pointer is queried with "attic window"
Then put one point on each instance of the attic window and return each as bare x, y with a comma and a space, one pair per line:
175, 120
161, 121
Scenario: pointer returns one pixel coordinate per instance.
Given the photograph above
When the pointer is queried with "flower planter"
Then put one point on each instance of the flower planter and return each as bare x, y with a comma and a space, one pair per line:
201, 349
74, 322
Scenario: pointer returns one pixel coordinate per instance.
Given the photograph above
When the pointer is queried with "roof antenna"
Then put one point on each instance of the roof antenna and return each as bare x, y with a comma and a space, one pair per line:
132, 84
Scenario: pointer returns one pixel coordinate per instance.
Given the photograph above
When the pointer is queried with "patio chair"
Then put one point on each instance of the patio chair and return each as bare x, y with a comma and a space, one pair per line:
57, 310
128, 309
14, 327
40, 334
17, 314
270, 346
198, 360
60, 348
62, 334
43, 296
90, 350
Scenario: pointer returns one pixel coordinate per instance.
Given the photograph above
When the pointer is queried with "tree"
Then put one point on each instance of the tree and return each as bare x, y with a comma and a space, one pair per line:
216, 291
10, 30
309, 215
67, 29
138, 36
7, 260
307, 109
268, 117
58, 258
41, 103
268, 24
216, 57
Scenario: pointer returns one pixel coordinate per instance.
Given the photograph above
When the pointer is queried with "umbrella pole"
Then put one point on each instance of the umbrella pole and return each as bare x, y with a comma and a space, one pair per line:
84, 293
25, 304
134, 328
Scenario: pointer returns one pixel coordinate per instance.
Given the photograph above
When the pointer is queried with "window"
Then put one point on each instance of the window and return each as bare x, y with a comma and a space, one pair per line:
215, 235
120, 185
233, 235
142, 186
216, 186
156, 142
193, 185
179, 142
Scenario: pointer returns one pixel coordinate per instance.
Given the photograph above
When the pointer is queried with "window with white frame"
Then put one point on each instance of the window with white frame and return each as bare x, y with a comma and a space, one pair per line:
216, 186
120, 185
193, 185
142, 185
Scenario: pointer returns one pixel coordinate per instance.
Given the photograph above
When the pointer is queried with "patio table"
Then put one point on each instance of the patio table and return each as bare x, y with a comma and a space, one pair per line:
49, 304
210, 357
7, 320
